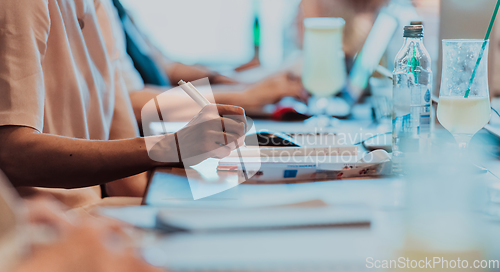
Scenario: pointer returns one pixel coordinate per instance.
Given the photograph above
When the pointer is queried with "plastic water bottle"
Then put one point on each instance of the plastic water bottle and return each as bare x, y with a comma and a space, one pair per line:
412, 116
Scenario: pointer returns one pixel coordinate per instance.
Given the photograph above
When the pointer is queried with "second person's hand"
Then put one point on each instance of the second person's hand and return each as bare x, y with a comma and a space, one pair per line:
273, 89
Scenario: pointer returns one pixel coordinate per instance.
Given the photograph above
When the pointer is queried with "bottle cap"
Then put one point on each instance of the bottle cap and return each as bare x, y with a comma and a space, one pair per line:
417, 23
414, 31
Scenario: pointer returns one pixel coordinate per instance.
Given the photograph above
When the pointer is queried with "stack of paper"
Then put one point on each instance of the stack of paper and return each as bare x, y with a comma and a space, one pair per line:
306, 164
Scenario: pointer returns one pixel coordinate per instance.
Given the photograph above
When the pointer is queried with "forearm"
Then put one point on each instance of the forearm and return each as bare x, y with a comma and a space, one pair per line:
180, 107
43, 160
236, 95
175, 106
235, 99
178, 71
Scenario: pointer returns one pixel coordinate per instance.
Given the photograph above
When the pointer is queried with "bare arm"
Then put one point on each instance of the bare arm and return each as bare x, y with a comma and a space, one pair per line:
30, 158
177, 71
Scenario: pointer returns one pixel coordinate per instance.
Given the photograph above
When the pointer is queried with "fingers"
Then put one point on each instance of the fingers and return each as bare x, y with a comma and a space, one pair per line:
220, 152
233, 140
217, 139
232, 126
218, 130
215, 132
303, 96
233, 112
295, 87
221, 144
230, 110
222, 110
233, 133
215, 111
283, 85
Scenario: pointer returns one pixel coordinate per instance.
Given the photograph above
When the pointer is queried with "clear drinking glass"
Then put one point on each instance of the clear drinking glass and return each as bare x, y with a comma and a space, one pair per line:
464, 116
324, 72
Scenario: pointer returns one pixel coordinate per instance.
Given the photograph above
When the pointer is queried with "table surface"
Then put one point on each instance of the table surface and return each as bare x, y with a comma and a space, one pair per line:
326, 249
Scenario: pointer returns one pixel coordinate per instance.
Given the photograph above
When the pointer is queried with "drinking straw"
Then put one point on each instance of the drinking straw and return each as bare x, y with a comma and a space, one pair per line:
482, 48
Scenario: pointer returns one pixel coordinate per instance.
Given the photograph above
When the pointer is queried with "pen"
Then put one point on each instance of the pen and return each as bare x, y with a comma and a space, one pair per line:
194, 93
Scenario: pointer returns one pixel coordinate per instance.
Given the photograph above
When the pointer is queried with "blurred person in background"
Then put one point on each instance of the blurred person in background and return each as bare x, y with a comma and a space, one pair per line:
54, 241
157, 71
153, 73
85, 244
41, 234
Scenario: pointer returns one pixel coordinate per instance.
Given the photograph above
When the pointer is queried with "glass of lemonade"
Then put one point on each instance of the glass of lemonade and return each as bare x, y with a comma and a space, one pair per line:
324, 72
464, 116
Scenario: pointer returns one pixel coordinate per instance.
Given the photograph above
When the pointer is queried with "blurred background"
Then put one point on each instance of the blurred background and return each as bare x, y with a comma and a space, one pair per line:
219, 33
226, 34
230, 36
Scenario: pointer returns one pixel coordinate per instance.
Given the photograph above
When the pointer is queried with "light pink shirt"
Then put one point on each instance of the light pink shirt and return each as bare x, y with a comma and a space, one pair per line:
60, 73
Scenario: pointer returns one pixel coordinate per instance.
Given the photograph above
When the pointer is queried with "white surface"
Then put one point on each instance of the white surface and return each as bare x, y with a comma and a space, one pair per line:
261, 219
305, 250
198, 31
299, 250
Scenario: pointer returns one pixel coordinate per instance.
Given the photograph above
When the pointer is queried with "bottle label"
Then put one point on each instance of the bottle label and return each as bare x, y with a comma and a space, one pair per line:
427, 97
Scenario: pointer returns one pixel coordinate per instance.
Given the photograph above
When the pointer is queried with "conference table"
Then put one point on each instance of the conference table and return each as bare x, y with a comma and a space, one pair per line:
344, 247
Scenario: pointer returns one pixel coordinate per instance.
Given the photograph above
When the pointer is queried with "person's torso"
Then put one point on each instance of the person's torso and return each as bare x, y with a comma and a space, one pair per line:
78, 69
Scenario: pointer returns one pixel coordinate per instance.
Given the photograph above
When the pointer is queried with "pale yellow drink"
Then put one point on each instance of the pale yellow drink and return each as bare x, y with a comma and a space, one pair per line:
436, 261
324, 71
461, 115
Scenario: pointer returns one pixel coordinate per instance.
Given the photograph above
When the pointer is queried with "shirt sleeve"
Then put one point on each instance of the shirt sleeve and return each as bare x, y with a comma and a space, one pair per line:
24, 30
